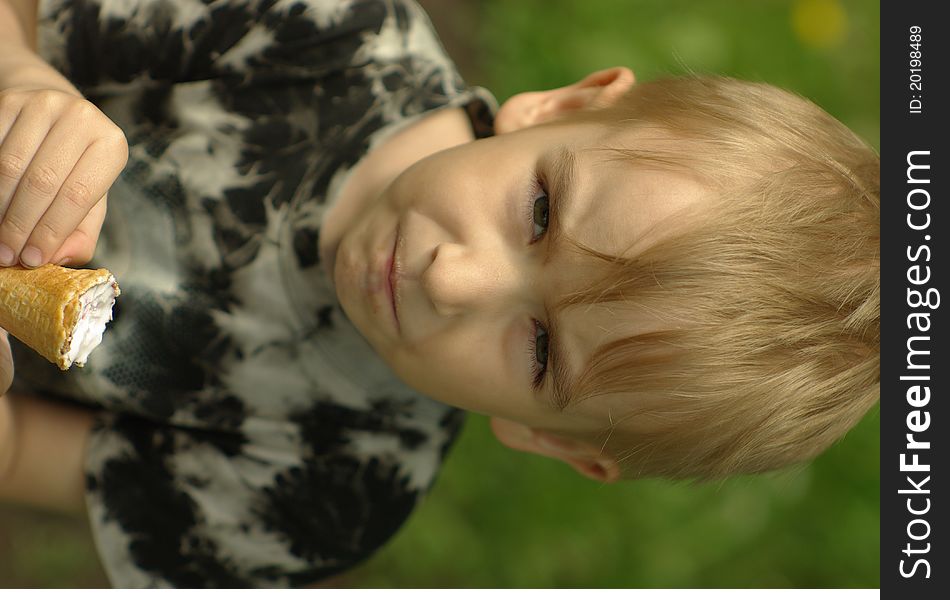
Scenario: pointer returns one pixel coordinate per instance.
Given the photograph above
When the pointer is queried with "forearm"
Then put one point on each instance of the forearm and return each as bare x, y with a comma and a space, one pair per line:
7, 441
47, 446
18, 22
20, 65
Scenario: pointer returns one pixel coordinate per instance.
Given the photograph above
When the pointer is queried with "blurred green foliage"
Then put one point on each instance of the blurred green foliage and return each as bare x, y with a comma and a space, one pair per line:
500, 519
541, 44
497, 518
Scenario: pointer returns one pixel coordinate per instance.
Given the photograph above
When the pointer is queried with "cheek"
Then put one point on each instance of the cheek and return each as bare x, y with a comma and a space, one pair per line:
454, 371
446, 186
436, 366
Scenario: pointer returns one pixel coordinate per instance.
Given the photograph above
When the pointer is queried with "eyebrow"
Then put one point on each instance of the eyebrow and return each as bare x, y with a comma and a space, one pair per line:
563, 188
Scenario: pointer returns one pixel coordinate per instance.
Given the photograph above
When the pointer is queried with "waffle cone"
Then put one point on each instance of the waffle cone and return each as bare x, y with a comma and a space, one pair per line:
41, 307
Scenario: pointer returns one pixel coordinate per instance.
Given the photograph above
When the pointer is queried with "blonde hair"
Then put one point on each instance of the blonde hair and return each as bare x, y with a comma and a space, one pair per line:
771, 293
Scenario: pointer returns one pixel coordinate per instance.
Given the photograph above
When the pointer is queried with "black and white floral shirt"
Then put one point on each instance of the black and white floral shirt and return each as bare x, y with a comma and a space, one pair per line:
249, 434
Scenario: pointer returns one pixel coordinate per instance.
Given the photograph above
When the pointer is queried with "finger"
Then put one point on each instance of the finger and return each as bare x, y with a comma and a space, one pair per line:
87, 183
80, 245
44, 177
17, 149
8, 116
22, 140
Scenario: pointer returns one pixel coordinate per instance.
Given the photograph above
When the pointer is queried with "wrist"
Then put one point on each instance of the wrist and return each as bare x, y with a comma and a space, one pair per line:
21, 68
18, 23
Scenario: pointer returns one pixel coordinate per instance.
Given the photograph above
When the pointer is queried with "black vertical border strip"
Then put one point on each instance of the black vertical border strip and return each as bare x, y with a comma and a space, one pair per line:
903, 248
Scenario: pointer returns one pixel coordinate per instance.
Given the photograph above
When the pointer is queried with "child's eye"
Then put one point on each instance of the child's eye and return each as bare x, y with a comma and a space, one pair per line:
537, 211
538, 354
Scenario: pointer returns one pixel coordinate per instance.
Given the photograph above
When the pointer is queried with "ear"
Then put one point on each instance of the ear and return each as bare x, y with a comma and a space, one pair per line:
585, 458
599, 89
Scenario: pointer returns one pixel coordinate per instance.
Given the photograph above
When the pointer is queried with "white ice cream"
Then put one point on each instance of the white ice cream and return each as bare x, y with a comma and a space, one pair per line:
95, 311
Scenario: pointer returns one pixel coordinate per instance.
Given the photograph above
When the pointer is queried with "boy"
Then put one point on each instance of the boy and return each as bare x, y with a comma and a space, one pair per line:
253, 433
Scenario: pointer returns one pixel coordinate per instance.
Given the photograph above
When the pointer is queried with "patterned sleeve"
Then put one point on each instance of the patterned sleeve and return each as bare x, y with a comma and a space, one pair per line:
106, 45
177, 507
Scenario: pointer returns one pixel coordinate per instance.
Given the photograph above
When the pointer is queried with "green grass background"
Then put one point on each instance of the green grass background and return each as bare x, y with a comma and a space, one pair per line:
497, 518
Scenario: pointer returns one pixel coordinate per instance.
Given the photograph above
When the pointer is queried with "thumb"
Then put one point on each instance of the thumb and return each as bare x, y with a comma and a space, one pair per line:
6, 362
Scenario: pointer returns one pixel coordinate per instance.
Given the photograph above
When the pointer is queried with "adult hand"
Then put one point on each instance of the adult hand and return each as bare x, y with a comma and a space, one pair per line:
59, 155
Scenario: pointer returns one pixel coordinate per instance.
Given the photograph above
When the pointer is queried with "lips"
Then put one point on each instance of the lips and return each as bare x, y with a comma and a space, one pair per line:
394, 278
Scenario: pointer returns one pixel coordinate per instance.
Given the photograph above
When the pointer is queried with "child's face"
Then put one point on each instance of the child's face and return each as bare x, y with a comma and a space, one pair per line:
472, 285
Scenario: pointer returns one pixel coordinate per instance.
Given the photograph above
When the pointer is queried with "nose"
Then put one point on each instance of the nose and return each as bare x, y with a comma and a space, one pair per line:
461, 278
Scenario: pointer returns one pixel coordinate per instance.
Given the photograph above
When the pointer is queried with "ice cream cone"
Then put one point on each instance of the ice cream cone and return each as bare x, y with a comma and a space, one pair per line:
58, 312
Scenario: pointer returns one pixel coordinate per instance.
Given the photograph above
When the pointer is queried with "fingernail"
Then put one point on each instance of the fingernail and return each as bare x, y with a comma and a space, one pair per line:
31, 257
6, 255
62, 262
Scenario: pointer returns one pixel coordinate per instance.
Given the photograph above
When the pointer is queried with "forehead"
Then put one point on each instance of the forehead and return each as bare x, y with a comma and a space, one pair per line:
620, 206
